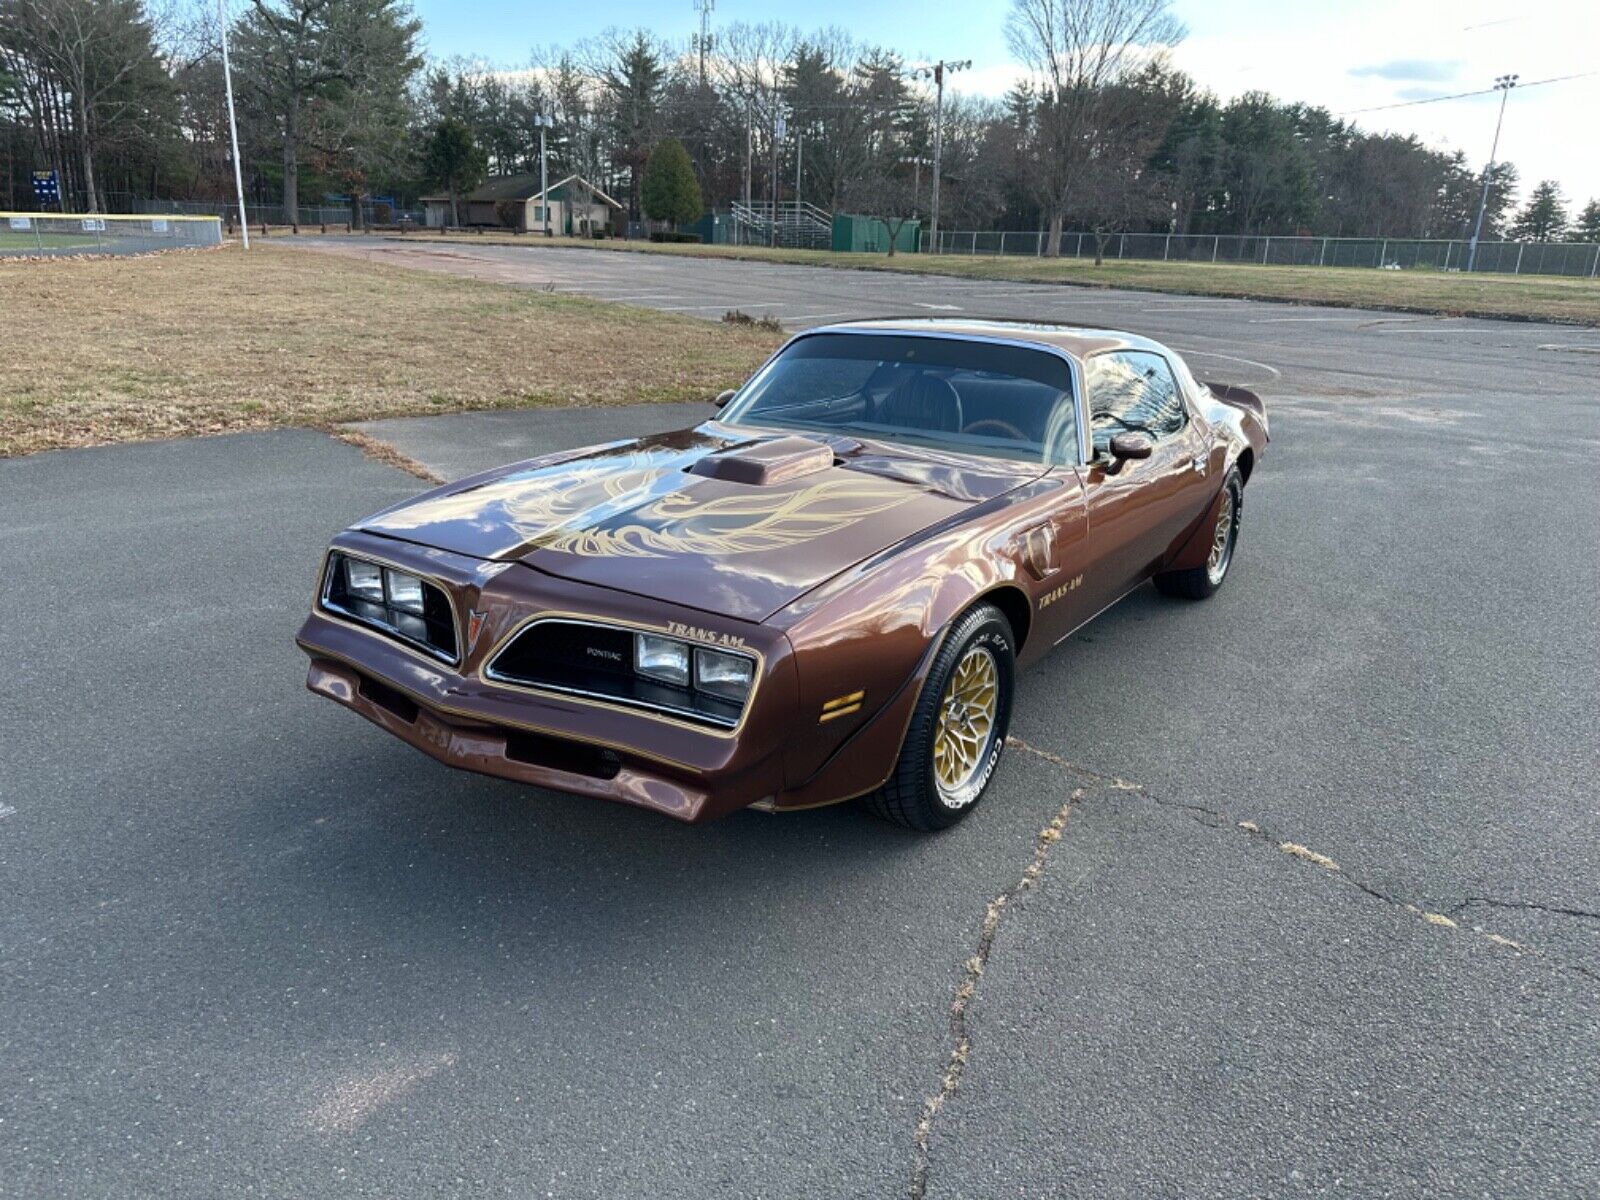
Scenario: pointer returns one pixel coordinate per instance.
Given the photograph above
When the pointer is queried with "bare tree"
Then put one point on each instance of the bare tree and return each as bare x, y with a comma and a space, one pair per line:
1076, 52
631, 71
885, 191
750, 72
1119, 188
580, 144
969, 190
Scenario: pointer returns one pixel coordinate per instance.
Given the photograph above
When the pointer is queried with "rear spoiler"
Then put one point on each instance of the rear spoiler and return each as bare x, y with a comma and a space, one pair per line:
1241, 398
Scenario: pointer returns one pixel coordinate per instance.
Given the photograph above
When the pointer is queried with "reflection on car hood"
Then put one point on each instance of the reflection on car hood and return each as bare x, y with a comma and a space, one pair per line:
636, 516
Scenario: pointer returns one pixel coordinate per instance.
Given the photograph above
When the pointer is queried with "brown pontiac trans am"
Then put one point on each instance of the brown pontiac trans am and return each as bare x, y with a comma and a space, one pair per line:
822, 593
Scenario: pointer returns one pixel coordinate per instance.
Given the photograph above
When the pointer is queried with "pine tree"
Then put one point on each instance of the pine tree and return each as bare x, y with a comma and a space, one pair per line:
321, 70
89, 76
454, 162
1587, 227
1544, 218
669, 191
631, 88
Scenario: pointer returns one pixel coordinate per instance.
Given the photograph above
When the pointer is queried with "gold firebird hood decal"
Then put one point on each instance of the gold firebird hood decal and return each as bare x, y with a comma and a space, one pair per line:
631, 506
641, 502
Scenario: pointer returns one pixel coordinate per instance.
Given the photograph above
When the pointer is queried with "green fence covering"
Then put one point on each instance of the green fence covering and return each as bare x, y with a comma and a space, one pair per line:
870, 235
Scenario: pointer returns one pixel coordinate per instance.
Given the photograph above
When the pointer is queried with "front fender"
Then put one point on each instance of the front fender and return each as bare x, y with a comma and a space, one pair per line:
863, 653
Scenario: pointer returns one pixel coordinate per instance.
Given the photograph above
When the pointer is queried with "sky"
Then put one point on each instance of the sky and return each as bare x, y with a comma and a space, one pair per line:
1346, 55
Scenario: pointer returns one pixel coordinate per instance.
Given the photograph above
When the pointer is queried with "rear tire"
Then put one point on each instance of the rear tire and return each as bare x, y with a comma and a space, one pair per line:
958, 728
1204, 581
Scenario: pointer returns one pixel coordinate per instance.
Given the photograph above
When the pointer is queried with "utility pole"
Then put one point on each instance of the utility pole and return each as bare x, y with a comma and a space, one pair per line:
799, 152
936, 72
749, 154
233, 126
542, 123
778, 130
1503, 85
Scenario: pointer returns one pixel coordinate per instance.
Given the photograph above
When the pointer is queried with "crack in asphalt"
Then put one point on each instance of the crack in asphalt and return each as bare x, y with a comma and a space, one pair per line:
961, 1048
1554, 910
1217, 819
972, 972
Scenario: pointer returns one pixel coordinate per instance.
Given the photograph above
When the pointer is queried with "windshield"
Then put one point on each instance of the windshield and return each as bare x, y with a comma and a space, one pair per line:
985, 398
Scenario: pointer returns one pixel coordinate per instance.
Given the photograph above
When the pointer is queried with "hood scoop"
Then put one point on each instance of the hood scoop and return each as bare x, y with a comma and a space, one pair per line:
765, 463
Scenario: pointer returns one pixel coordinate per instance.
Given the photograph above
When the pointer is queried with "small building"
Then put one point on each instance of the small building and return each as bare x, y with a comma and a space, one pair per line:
577, 207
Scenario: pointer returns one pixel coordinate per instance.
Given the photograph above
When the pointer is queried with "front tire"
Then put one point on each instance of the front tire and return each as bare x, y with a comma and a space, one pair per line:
1204, 581
958, 729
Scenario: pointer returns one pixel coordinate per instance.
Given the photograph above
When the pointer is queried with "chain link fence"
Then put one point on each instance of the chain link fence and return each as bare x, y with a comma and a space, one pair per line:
309, 216
34, 234
1581, 259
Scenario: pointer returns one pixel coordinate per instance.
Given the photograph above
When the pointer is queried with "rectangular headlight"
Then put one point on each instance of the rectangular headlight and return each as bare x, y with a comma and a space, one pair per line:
405, 591
725, 675
363, 580
663, 658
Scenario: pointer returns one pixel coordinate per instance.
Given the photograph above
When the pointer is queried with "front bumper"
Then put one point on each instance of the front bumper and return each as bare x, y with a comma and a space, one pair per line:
453, 714
497, 750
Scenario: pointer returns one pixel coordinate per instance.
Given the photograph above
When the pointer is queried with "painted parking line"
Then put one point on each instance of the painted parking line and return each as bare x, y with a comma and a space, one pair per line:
997, 295
1249, 362
1387, 328
726, 304
1179, 308
827, 316
1294, 320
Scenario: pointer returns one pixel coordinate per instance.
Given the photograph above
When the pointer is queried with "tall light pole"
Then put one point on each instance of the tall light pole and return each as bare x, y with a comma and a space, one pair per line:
936, 72
917, 163
543, 123
749, 154
778, 129
1503, 85
233, 126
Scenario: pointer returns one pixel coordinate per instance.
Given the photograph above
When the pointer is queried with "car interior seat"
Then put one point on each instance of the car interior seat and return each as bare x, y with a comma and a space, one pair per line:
923, 401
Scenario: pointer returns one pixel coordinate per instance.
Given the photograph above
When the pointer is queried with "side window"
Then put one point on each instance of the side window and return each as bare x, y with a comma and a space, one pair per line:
1133, 390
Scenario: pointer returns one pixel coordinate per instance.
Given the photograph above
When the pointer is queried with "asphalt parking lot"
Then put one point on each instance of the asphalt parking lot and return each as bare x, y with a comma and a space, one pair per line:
254, 946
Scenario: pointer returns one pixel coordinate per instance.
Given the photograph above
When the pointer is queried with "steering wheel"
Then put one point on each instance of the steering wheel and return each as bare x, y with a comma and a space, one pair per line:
1005, 427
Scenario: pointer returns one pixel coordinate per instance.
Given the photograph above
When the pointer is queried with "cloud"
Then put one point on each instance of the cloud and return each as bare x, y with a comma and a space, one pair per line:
1420, 70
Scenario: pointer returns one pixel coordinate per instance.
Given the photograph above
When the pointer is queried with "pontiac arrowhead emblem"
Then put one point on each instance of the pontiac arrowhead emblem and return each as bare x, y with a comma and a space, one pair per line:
474, 628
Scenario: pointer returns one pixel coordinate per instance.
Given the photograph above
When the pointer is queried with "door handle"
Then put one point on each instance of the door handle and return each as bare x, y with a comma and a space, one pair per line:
1198, 462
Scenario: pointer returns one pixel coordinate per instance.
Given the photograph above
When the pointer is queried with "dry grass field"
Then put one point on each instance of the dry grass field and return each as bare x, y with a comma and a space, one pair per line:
198, 342
1524, 297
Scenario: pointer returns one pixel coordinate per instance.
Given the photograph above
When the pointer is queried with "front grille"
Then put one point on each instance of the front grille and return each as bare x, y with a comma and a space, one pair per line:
596, 661
432, 630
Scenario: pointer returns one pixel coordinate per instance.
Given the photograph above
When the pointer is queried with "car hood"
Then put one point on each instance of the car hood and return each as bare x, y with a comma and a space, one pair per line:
731, 521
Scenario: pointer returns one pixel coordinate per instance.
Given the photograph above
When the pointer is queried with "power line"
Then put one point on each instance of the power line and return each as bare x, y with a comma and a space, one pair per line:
1488, 91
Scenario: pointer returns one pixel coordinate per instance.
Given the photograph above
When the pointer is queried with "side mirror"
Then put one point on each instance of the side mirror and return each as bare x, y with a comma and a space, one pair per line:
1129, 445
723, 397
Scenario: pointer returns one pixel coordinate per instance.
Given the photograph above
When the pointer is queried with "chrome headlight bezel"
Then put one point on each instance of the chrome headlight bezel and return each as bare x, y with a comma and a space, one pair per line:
424, 620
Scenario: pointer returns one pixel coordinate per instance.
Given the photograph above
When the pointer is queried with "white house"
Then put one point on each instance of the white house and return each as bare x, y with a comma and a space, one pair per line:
577, 207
